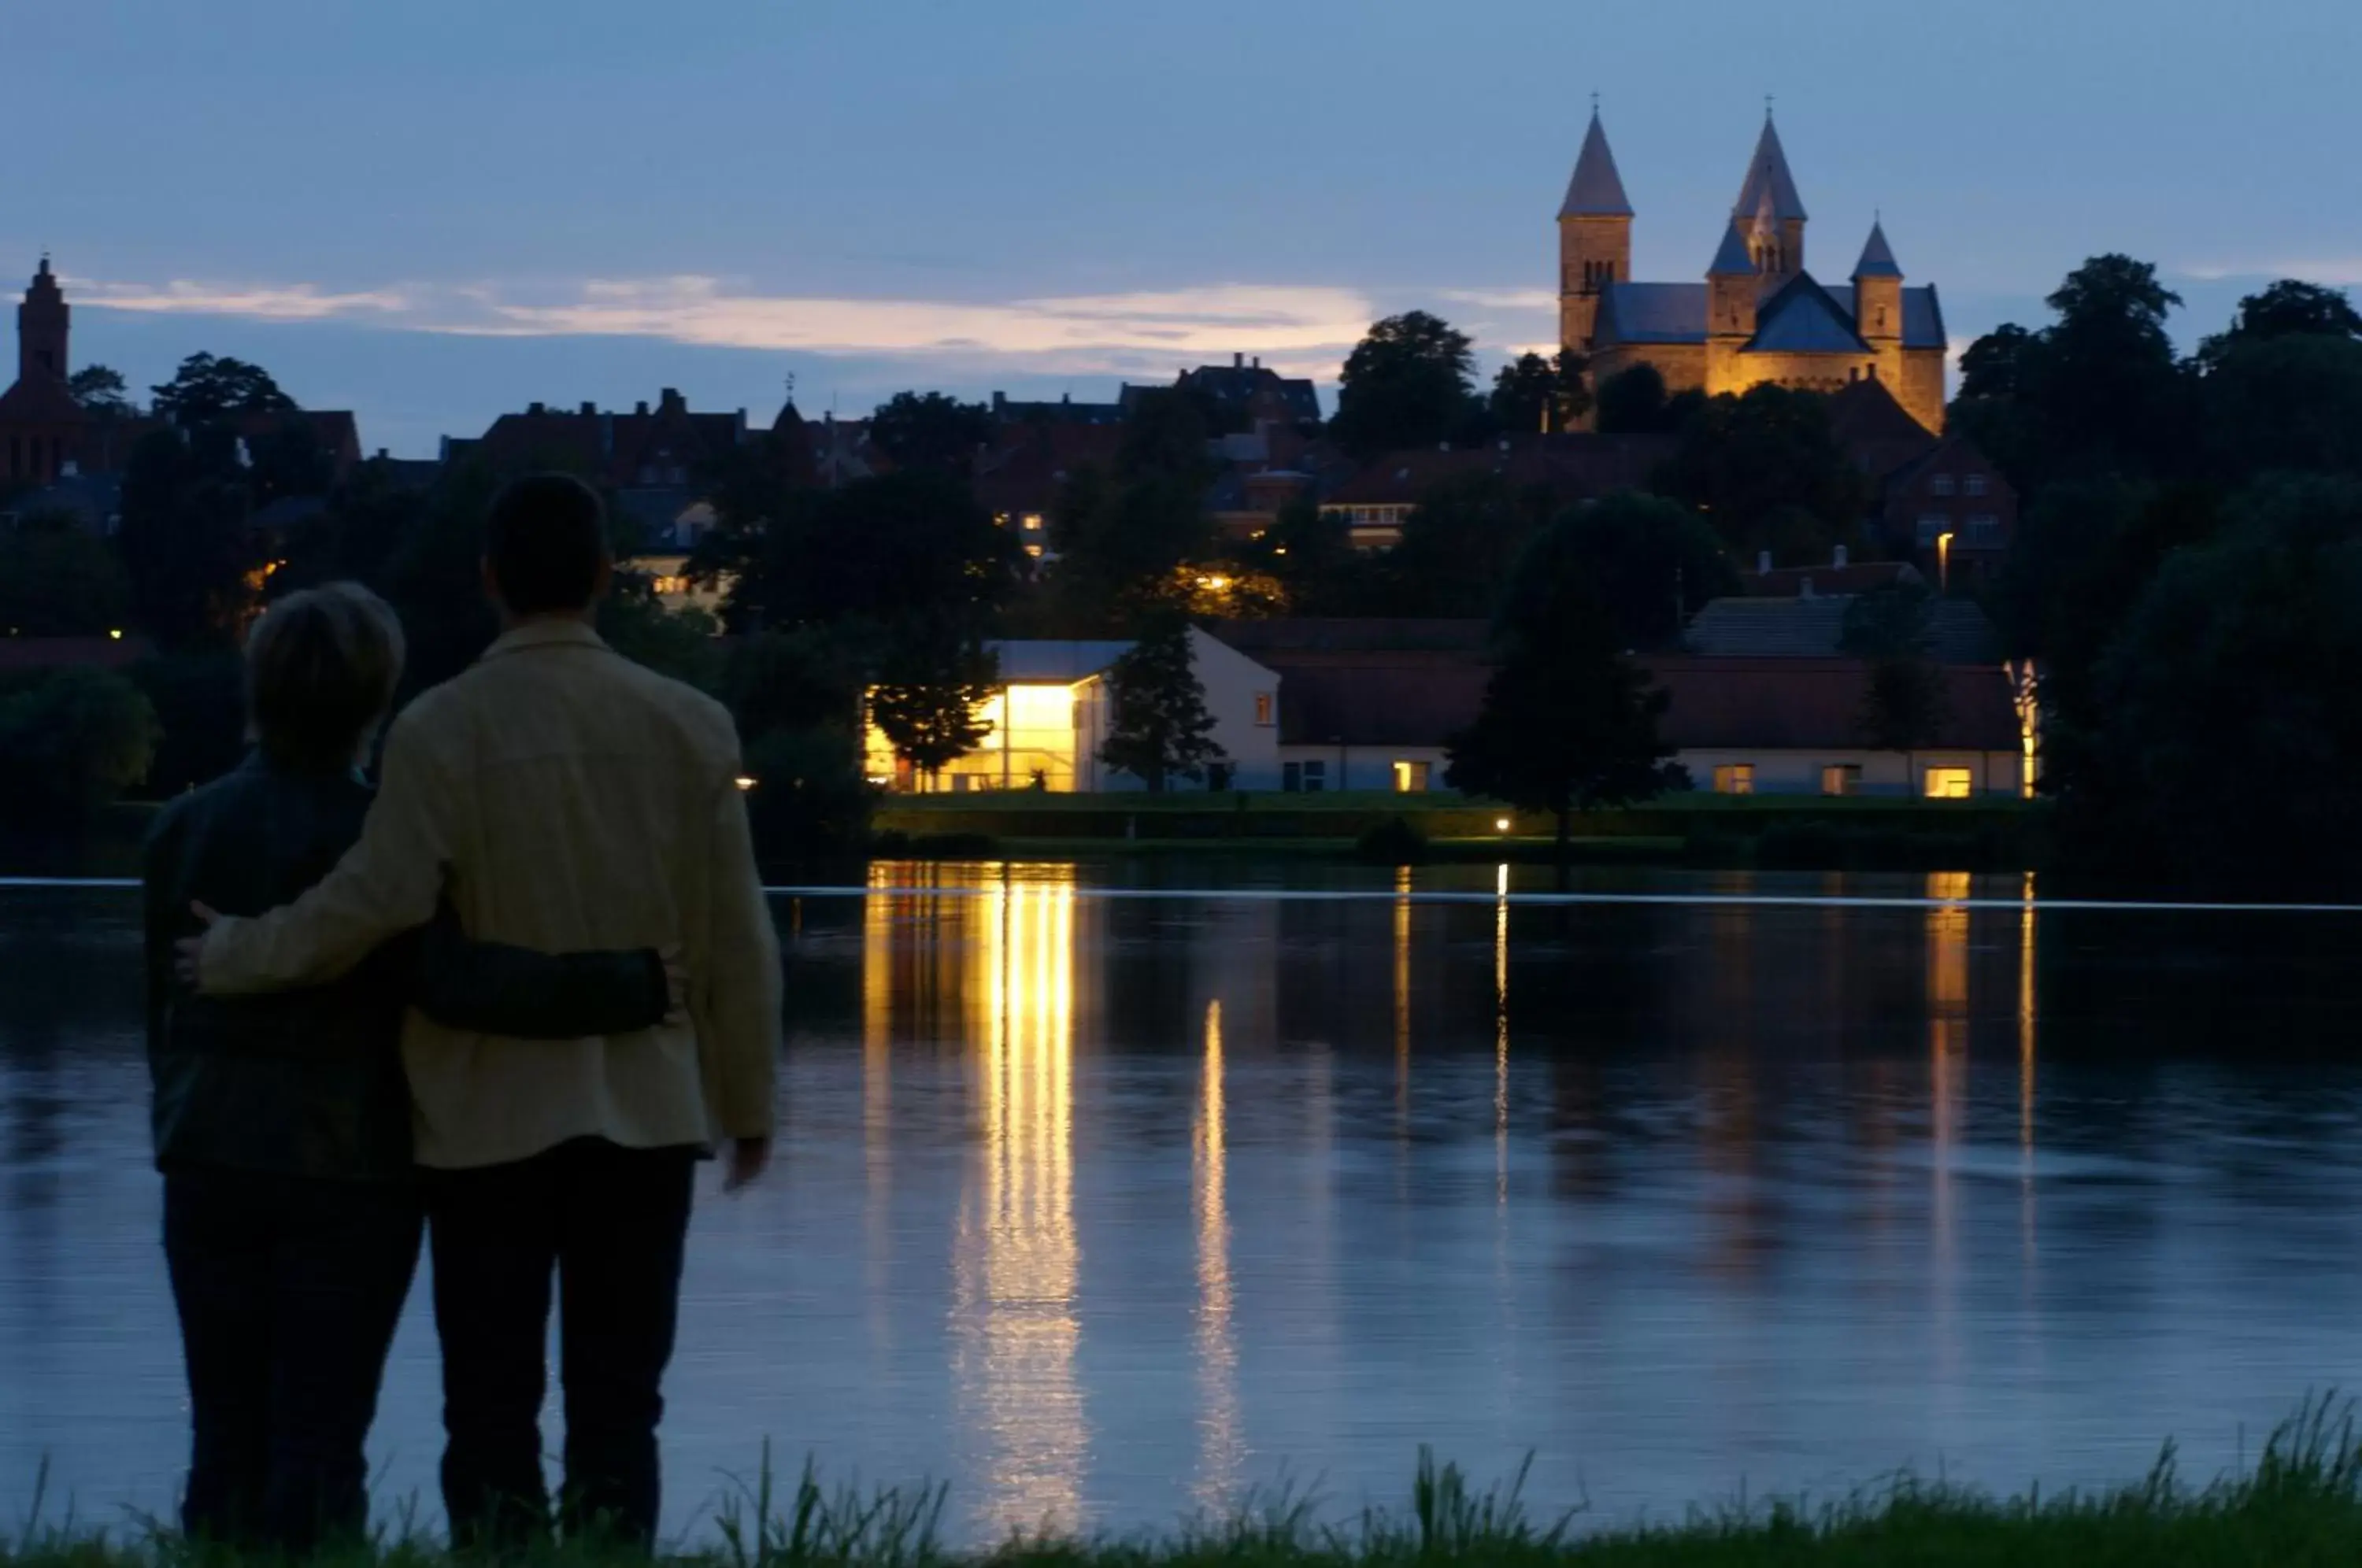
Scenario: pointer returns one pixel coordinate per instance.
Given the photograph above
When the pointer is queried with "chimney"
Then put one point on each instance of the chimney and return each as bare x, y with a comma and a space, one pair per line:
588, 408
532, 408
1238, 361
383, 453
670, 400
1841, 562
641, 408
1000, 401
1762, 563
1258, 361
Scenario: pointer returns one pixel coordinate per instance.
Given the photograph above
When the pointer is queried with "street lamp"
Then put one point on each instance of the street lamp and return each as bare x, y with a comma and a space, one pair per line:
1944, 562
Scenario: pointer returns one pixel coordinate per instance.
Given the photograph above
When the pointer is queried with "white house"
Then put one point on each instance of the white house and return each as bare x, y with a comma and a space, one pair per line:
1054, 711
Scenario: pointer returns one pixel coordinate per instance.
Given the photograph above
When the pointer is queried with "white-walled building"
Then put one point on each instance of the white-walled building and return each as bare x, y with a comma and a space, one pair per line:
1054, 711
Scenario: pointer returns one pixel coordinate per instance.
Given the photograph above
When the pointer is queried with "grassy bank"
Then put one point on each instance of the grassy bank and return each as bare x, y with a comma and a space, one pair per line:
1799, 832
2300, 1504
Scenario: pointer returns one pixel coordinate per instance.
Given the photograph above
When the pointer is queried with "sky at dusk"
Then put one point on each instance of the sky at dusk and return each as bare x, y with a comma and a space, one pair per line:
437, 210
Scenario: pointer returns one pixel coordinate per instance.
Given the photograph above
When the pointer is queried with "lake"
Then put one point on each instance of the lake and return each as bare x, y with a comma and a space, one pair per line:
1105, 1197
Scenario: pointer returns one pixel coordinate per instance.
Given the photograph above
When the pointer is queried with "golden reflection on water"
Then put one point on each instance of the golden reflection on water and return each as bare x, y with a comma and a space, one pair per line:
1402, 1002
1015, 1257
2027, 1003
1220, 1444
1501, 1039
1948, 1024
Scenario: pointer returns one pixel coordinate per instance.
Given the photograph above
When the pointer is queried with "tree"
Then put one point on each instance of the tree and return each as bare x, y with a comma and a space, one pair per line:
1121, 534
1654, 562
73, 741
930, 431
195, 568
930, 688
204, 389
1569, 720
887, 548
2226, 715
1409, 382
1160, 729
2287, 402
1539, 393
1632, 402
1767, 470
57, 580
1460, 544
102, 392
796, 697
2290, 308
682, 644
1905, 704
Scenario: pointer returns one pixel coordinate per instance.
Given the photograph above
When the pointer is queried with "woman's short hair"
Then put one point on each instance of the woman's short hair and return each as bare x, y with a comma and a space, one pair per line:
321, 666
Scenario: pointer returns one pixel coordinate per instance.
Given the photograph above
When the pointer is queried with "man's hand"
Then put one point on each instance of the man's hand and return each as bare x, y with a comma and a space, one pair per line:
189, 949
745, 1161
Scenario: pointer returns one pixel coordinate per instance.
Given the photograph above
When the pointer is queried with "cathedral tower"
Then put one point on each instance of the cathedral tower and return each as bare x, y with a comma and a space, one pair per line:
1878, 299
41, 323
1594, 239
1769, 208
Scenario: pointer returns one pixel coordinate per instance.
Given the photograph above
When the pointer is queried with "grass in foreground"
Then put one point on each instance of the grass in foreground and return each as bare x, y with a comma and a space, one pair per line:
2300, 1505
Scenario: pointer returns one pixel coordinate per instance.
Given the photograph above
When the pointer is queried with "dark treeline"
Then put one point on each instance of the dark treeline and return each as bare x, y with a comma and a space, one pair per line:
2183, 575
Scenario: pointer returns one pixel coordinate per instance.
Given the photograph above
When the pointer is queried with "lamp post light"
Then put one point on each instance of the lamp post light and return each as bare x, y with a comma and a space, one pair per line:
1944, 562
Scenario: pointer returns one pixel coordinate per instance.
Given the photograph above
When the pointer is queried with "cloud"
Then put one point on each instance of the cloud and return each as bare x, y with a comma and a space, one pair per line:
1503, 299
2338, 272
263, 301
1301, 329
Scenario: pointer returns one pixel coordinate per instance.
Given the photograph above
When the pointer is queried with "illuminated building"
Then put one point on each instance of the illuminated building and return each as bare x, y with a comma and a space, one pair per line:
1759, 316
1054, 710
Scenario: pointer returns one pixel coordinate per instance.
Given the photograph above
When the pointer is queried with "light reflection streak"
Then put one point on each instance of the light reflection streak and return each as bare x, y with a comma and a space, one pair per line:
1016, 1258
1402, 1000
878, 1101
2027, 1007
1948, 997
1220, 1445
1501, 1042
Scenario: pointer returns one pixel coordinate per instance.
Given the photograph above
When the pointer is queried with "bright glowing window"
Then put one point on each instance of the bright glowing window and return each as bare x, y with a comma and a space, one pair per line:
1841, 779
1410, 778
1950, 783
1735, 779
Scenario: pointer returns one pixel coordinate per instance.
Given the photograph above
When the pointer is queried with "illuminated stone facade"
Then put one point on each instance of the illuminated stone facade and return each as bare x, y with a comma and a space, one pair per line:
1759, 316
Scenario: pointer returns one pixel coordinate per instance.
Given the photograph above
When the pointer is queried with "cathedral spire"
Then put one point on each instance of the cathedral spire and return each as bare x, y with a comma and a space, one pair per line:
1596, 190
1877, 256
1767, 175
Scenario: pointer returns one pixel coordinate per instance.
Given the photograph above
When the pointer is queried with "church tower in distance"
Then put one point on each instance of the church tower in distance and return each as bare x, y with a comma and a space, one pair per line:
1594, 239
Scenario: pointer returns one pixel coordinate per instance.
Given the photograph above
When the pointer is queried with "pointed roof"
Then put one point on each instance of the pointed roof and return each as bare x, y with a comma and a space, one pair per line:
1801, 318
1596, 190
1733, 259
1768, 177
1877, 256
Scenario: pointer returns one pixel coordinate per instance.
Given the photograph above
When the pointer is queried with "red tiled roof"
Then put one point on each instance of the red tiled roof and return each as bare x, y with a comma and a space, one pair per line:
1025, 471
1792, 704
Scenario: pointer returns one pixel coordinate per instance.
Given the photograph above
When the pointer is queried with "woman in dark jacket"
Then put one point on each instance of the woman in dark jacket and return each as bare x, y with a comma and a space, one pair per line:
282, 1123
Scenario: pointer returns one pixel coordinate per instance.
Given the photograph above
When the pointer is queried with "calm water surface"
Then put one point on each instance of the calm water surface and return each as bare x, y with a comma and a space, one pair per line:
1103, 1209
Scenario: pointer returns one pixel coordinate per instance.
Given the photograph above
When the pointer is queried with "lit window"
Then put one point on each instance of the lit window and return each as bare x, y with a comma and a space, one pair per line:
1034, 550
1033, 522
1410, 778
1841, 779
1984, 529
1934, 525
1974, 484
1941, 485
1735, 779
1266, 711
1950, 783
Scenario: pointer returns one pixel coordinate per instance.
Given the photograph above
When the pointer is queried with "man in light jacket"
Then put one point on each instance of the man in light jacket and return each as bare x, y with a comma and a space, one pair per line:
563, 798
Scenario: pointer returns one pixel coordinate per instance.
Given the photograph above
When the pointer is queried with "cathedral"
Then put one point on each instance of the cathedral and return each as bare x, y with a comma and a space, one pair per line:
1759, 316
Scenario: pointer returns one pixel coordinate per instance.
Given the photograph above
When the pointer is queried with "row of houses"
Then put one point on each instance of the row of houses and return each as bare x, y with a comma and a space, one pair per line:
1760, 702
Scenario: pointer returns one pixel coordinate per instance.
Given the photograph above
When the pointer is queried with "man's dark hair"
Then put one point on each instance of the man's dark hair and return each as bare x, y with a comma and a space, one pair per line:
546, 538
